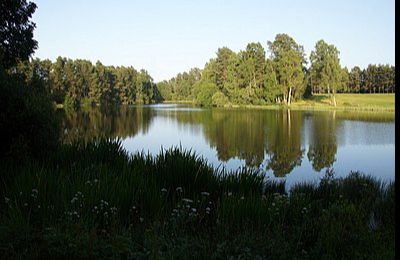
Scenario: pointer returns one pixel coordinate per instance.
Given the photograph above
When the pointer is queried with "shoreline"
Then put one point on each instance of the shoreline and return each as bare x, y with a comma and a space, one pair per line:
316, 103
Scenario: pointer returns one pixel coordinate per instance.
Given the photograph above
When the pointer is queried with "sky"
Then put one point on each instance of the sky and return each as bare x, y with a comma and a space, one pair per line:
168, 37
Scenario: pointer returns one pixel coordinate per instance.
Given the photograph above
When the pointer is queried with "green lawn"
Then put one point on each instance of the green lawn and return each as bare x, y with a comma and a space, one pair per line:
350, 101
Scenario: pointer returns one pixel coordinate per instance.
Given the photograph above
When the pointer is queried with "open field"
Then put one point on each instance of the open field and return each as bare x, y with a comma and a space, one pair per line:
378, 102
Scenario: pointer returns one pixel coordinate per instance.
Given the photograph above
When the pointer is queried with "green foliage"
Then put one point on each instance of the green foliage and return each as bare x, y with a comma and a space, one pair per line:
94, 200
219, 99
16, 32
74, 83
326, 74
288, 57
27, 118
204, 92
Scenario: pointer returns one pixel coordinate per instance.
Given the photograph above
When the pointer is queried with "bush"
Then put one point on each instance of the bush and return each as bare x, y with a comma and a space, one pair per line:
219, 99
27, 118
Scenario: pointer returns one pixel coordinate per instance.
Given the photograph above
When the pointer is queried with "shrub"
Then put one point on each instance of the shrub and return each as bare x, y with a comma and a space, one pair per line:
219, 99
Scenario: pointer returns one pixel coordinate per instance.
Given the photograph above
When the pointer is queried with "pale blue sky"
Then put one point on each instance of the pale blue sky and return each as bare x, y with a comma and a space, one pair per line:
167, 37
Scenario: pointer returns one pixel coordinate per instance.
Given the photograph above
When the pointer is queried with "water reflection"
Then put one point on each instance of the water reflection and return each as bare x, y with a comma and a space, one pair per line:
110, 123
278, 141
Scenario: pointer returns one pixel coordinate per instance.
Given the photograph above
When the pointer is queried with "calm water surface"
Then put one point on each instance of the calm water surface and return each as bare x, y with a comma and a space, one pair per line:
295, 145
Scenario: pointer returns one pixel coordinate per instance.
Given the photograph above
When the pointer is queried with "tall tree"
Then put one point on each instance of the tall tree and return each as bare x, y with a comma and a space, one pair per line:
224, 57
288, 57
16, 31
325, 68
355, 79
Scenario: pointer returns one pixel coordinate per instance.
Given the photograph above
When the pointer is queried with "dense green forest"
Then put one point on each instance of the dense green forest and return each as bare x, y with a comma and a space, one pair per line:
79, 82
246, 77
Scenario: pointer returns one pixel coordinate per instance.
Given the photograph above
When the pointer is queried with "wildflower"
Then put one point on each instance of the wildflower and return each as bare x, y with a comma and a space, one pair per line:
229, 194
96, 180
179, 189
35, 190
194, 210
187, 200
88, 182
242, 198
175, 210
205, 193
141, 219
163, 190
273, 204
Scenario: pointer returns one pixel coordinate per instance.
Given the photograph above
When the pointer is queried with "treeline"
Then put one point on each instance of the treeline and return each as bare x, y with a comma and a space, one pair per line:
249, 77
79, 82
246, 77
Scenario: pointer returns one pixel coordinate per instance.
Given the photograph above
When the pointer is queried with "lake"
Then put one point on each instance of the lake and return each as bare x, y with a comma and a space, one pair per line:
292, 145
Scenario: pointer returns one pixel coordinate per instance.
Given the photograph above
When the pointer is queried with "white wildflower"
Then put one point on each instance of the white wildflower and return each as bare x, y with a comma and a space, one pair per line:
187, 200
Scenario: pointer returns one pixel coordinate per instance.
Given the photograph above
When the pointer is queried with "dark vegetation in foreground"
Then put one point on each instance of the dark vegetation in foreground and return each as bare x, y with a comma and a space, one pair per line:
95, 200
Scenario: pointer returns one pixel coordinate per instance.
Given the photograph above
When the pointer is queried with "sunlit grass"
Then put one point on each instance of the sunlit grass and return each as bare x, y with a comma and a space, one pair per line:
352, 101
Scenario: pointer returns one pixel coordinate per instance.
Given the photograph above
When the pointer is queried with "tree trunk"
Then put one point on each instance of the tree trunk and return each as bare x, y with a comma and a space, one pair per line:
290, 95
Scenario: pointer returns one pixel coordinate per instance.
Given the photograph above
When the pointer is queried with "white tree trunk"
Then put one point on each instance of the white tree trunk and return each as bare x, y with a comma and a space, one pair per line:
290, 95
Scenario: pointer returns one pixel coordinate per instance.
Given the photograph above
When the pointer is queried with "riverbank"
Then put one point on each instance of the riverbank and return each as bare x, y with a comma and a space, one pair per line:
94, 200
320, 102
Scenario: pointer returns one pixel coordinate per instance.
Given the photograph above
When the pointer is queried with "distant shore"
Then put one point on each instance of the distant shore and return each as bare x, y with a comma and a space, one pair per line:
320, 102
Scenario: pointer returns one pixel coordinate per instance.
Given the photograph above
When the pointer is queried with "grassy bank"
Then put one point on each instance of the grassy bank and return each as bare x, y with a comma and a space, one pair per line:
370, 102
354, 102
96, 201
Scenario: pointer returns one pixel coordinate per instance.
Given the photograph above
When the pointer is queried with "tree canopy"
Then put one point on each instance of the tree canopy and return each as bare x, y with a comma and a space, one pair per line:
16, 31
